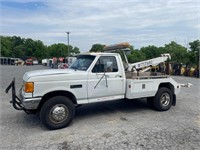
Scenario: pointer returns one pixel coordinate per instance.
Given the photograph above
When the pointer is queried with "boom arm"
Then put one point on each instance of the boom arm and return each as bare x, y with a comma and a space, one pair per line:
148, 63
143, 65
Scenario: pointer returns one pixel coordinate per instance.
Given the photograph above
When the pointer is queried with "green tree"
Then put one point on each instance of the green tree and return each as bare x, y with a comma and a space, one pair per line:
97, 48
55, 50
30, 47
6, 46
16, 41
40, 50
150, 51
177, 52
19, 47
136, 56
194, 52
75, 50
61, 50
19, 51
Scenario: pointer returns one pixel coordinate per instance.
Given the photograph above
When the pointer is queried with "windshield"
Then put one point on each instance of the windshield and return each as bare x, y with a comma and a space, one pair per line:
82, 62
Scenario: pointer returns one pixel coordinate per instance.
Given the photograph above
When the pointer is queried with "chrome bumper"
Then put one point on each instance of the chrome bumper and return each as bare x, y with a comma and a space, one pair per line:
30, 103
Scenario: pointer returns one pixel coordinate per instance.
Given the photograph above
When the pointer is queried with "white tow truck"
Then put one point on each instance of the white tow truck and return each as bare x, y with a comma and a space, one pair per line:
93, 77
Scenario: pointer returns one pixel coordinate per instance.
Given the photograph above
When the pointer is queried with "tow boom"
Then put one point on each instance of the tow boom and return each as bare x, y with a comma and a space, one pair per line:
148, 63
138, 66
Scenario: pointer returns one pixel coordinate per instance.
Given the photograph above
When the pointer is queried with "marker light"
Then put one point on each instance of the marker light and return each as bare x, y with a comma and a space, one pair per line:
29, 87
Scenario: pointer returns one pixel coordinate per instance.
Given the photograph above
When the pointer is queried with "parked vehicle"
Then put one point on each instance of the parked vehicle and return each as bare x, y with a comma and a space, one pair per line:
35, 62
93, 77
29, 62
44, 62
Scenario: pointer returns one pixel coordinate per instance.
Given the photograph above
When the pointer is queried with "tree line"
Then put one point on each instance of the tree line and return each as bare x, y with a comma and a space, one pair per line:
180, 54
17, 47
14, 46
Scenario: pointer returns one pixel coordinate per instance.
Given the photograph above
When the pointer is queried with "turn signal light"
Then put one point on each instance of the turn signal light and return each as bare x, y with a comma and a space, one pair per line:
29, 87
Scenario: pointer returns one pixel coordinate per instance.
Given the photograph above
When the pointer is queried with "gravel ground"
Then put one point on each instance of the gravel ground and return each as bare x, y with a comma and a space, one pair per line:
113, 125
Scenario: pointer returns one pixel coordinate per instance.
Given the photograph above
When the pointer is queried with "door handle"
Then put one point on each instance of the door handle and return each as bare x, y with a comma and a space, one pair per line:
118, 76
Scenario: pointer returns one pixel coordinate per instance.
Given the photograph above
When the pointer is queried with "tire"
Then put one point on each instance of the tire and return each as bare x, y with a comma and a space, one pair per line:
57, 112
163, 99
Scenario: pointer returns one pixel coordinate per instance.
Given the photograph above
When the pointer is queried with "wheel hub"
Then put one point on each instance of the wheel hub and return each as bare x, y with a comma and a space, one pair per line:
58, 113
165, 99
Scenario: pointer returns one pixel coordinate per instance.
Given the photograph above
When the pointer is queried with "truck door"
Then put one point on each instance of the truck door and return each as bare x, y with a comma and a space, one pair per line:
105, 81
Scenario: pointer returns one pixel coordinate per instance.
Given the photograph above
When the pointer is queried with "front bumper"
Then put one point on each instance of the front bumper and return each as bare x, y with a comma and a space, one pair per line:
21, 103
31, 103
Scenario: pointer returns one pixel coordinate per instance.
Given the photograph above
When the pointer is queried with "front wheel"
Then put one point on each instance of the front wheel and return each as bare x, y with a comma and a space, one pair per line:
163, 99
57, 112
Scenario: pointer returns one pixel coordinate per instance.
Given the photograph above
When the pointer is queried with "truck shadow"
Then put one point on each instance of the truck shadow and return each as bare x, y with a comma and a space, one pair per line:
93, 110
111, 107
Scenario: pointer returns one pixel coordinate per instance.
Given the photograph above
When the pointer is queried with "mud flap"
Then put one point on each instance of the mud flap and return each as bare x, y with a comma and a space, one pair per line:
174, 100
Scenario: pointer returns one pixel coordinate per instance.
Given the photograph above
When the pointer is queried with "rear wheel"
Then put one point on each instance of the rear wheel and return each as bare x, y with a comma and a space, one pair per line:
57, 112
163, 99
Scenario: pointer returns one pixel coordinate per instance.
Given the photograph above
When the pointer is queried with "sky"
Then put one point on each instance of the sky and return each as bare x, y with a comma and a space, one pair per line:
139, 22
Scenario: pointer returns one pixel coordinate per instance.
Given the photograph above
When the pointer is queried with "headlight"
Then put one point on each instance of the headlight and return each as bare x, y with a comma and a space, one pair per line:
29, 87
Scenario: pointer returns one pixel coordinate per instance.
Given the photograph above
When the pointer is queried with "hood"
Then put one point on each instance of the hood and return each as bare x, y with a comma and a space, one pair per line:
48, 72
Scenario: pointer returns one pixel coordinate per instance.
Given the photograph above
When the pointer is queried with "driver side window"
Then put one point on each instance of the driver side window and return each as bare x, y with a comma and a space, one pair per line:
105, 64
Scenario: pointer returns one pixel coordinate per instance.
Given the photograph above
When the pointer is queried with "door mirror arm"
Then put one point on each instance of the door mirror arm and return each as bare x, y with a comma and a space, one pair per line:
104, 75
